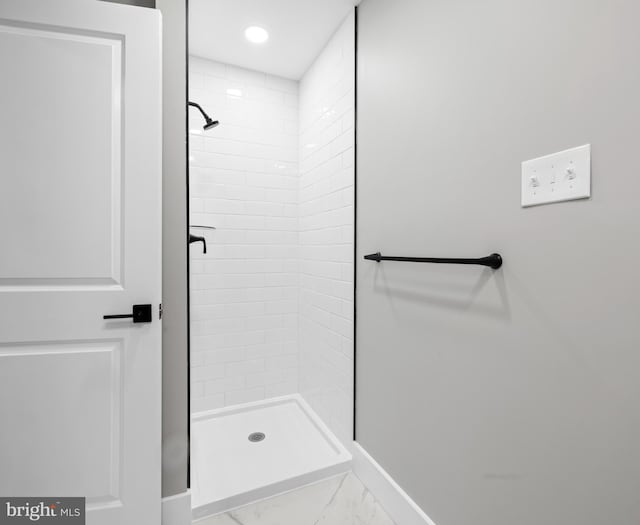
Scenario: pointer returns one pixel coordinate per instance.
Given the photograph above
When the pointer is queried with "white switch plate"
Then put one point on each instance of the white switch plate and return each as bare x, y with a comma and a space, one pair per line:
562, 176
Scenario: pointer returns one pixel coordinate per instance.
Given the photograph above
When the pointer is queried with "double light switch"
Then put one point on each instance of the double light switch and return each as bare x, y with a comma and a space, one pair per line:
562, 176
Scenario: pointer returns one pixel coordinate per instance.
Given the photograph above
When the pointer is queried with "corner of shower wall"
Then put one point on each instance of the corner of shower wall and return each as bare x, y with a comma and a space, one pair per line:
327, 154
244, 182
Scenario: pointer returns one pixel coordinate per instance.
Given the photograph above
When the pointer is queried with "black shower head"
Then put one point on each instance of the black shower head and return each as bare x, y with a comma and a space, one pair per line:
210, 123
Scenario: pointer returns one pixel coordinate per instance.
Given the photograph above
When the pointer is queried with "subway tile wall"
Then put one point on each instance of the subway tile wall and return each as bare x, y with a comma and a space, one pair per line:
272, 301
327, 103
243, 181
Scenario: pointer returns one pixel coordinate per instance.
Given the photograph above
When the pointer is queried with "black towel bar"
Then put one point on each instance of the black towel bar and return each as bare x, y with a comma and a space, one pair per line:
492, 261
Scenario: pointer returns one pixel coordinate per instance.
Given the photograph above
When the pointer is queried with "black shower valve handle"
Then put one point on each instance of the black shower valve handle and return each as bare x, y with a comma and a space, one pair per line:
198, 238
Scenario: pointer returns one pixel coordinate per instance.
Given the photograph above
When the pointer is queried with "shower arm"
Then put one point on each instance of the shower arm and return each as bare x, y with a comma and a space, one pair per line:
196, 105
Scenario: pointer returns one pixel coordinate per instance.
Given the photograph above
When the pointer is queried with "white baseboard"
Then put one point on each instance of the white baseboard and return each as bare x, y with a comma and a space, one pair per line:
395, 501
176, 510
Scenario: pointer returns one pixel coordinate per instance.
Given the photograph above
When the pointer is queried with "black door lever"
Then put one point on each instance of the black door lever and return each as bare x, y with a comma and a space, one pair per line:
141, 314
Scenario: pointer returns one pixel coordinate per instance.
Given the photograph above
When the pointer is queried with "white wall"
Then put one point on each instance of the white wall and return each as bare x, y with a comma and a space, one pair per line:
508, 397
243, 181
326, 231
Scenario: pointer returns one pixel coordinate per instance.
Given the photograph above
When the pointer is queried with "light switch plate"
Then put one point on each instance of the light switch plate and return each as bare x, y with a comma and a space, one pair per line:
562, 176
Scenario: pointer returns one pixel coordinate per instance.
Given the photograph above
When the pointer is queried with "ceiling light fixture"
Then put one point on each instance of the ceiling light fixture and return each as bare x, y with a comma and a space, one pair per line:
257, 35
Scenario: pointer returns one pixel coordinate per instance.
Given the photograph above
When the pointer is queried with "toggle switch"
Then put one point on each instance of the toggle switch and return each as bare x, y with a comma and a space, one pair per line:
562, 176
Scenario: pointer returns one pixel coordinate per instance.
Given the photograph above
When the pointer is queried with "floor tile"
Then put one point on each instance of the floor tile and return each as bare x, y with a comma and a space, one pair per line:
341, 500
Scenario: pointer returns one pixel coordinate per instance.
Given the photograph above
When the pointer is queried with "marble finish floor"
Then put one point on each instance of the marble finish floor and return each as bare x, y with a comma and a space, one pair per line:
341, 500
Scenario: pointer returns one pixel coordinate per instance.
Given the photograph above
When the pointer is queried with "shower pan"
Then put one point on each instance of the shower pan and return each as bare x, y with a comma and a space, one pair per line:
263, 448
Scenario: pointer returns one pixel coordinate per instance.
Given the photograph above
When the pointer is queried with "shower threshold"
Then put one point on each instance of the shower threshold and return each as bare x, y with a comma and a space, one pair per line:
253, 451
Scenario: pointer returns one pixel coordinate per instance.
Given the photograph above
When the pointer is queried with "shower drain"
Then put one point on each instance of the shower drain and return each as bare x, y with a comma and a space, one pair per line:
254, 437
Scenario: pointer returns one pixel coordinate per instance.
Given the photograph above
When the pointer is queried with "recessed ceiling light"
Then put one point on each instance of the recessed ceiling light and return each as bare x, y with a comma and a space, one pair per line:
257, 35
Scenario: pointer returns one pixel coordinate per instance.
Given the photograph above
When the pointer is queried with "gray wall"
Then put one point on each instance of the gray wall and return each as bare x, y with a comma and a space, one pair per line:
510, 397
175, 385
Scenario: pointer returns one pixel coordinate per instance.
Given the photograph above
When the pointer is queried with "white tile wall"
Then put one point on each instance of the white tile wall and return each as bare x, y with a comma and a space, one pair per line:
327, 103
243, 181
272, 301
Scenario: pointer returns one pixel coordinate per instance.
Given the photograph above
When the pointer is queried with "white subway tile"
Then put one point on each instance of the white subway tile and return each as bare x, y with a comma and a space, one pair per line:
224, 355
282, 389
267, 349
207, 402
244, 368
281, 84
207, 372
244, 396
265, 378
282, 361
250, 77
219, 386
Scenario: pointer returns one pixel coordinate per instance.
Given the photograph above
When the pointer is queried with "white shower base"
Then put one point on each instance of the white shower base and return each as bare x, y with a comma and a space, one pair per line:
228, 470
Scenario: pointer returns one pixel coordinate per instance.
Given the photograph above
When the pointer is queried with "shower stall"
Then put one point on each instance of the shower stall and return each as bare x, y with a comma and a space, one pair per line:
272, 199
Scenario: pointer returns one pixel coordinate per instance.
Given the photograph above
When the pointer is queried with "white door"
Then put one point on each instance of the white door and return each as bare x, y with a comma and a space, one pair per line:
80, 237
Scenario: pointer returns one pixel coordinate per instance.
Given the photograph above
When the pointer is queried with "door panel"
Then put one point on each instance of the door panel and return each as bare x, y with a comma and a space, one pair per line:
70, 393
72, 124
80, 230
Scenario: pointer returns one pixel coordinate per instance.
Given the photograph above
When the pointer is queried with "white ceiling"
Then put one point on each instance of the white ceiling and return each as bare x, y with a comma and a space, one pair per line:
298, 30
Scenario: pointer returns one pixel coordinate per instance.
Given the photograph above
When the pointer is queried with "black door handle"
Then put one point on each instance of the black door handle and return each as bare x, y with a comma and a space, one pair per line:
141, 313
